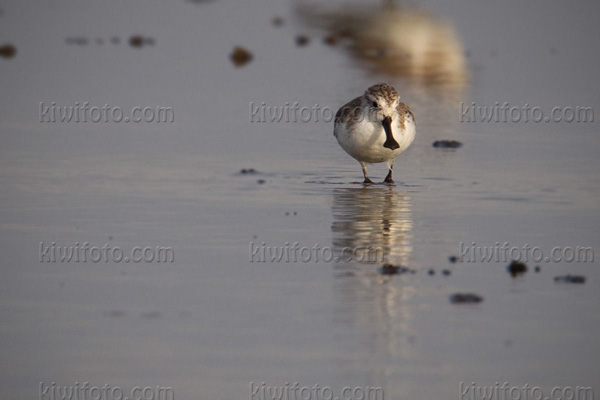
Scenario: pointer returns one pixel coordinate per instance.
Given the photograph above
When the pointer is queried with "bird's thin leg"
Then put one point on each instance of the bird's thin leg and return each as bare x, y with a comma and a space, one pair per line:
388, 178
364, 168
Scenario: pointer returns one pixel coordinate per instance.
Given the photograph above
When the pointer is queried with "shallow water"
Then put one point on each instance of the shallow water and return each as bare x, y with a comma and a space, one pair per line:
217, 318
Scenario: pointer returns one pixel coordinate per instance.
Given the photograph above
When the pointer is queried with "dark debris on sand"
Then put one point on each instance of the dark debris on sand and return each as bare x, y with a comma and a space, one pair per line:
389, 269
465, 298
516, 268
447, 144
570, 279
139, 41
8, 50
240, 56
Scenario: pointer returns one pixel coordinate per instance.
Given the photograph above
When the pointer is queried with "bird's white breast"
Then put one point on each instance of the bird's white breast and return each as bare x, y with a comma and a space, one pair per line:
364, 140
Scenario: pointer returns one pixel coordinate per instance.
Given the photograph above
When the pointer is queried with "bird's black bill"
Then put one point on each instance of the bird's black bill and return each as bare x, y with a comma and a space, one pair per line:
390, 142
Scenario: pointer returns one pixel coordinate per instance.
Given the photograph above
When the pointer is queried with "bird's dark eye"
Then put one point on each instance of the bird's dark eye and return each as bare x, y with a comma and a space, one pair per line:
375, 104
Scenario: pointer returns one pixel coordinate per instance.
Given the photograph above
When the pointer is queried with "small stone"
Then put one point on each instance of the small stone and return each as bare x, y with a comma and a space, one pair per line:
260, 181
446, 272
431, 272
516, 268
453, 259
8, 51
447, 144
240, 56
537, 268
465, 298
136, 41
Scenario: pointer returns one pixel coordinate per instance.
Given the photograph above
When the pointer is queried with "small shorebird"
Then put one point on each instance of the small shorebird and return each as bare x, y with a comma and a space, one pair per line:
375, 127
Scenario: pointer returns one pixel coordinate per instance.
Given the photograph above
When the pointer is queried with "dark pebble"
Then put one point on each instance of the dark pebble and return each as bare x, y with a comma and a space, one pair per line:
516, 268
8, 51
465, 298
260, 181
302, 40
453, 259
447, 144
431, 272
570, 279
240, 56
389, 269
136, 41
247, 171
537, 268
446, 272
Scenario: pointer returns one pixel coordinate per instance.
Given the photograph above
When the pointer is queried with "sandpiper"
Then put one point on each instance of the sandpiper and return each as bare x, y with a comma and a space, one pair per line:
375, 127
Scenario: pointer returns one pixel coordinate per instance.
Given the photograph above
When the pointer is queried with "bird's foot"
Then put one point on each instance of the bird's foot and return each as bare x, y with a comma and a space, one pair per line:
367, 181
388, 178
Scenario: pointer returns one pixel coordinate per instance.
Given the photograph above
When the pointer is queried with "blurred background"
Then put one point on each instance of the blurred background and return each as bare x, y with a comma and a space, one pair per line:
215, 179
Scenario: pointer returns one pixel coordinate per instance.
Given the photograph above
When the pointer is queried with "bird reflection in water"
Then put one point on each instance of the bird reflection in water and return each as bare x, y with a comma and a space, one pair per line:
370, 309
376, 221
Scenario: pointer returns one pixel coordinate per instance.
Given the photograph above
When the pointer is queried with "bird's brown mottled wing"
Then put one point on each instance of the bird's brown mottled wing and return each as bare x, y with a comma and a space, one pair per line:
350, 110
404, 110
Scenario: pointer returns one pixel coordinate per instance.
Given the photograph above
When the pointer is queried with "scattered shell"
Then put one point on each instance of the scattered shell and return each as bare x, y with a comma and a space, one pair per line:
516, 268
465, 298
8, 51
447, 144
240, 56
570, 279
